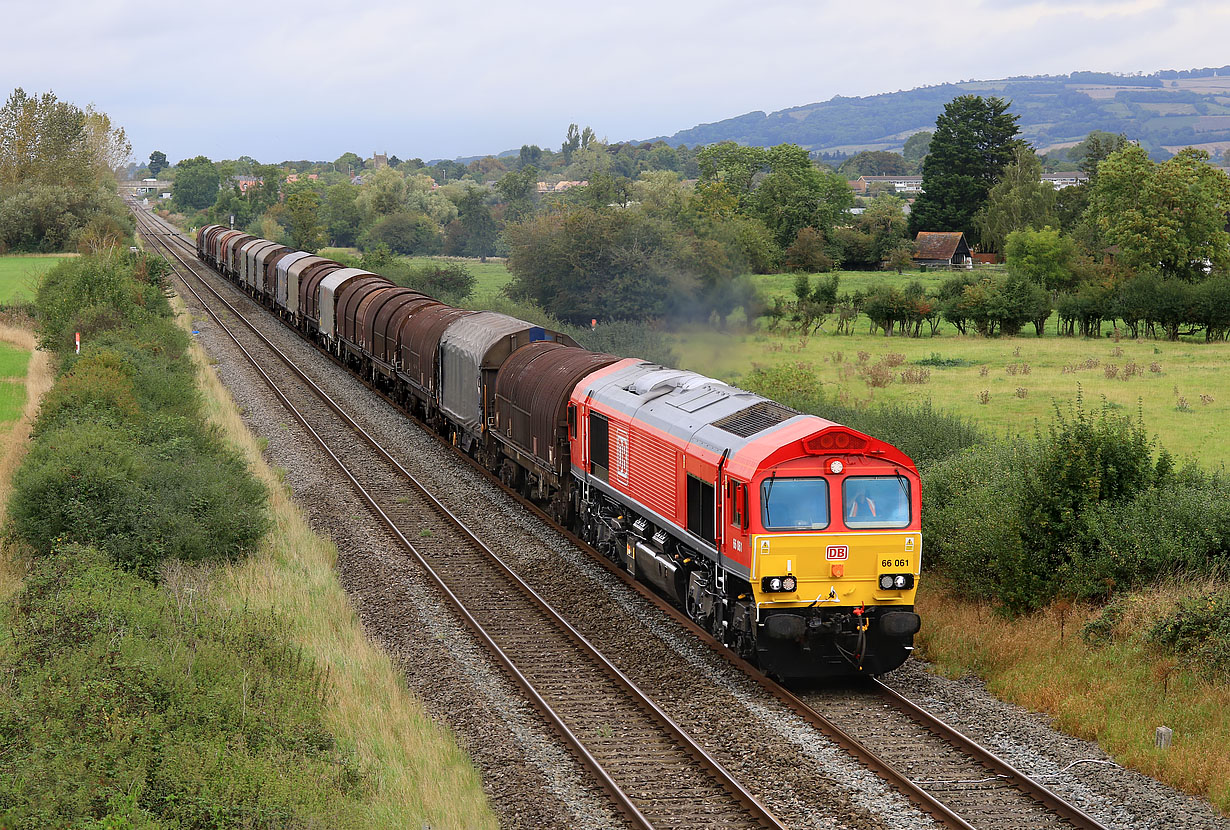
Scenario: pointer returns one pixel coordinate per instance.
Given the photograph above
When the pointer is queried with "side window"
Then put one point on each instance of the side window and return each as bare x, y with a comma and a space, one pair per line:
701, 509
572, 420
599, 446
738, 504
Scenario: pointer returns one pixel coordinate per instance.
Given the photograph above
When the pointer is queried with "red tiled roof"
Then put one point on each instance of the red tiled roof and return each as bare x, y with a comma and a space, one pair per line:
937, 244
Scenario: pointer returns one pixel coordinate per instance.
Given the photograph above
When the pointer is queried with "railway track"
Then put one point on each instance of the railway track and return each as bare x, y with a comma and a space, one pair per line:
953, 779
658, 776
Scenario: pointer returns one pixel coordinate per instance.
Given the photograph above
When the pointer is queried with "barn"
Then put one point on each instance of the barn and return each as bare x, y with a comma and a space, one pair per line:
938, 249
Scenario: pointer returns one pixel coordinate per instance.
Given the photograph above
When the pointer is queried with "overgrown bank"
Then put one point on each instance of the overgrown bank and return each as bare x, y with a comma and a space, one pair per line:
150, 681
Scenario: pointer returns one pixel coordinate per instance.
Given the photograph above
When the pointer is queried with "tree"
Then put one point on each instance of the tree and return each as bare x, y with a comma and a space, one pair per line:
1096, 147
917, 146
581, 263
343, 216
157, 163
572, 141
303, 221
531, 155
477, 229
518, 189
733, 166
796, 194
1170, 217
874, 163
406, 233
56, 167
1044, 257
885, 222
196, 183
973, 143
900, 257
807, 254
348, 163
1019, 200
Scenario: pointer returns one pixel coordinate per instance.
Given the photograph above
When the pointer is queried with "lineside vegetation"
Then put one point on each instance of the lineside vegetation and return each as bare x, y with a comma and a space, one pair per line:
147, 684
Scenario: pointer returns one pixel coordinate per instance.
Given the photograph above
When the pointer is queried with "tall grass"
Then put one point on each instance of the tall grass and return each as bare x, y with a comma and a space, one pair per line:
1116, 693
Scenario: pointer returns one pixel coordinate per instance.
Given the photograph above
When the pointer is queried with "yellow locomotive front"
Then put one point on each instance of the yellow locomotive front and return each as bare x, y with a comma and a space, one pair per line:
836, 546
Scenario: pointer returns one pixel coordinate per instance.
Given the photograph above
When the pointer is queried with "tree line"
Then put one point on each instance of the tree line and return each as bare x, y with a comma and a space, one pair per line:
57, 186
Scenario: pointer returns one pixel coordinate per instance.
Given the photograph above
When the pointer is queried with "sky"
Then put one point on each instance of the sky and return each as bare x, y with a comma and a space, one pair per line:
311, 79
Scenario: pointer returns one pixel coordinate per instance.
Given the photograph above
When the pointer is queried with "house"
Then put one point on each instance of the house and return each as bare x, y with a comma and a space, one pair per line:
558, 187
934, 248
1062, 180
865, 185
245, 183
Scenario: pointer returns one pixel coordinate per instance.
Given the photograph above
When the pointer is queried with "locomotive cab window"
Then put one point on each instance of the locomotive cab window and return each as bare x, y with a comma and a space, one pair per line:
738, 503
876, 501
794, 503
572, 420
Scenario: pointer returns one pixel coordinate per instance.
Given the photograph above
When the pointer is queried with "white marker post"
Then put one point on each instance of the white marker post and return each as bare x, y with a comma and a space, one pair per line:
78, 342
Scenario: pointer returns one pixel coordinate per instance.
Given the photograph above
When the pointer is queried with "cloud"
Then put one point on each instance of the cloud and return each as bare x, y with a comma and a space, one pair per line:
312, 79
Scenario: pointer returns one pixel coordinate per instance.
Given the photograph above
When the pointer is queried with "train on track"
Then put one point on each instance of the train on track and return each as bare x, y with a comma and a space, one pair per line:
792, 539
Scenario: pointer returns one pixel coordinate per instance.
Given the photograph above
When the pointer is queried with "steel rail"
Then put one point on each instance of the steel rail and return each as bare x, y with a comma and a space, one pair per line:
757, 811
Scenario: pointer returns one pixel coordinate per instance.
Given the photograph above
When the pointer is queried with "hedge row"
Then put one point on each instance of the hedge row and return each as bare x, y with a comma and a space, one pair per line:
128, 703
123, 458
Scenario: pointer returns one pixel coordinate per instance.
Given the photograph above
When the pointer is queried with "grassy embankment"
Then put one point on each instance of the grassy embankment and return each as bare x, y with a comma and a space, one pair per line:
242, 688
1115, 694
422, 777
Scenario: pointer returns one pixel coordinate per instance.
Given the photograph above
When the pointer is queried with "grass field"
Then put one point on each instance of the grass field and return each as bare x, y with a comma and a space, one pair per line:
1006, 385
19, 275
490, 276
1115, 694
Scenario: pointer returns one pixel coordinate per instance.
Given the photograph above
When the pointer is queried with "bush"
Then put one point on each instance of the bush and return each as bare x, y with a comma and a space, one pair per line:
1199, 631
93, 294
123, 458
448, 282
142, 493
132, 707
1054, 514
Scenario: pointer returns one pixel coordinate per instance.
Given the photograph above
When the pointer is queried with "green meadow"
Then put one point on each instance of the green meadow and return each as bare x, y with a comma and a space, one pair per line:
19, 276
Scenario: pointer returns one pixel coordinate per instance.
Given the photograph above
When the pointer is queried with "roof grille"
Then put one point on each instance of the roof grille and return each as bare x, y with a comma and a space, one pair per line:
755, 418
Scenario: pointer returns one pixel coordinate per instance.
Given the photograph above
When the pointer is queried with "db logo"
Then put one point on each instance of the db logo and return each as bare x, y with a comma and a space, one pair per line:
837, 552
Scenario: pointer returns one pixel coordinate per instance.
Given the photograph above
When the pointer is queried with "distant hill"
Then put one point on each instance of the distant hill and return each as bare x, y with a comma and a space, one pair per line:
1165, 112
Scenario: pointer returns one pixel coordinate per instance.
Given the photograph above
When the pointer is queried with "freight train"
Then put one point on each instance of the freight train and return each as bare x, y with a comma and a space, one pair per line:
792, 539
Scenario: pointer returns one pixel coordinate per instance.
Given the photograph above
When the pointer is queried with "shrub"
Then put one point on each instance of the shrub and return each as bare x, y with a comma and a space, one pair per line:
92, 294
133, 709
1199, 631
1060, 512
169, 489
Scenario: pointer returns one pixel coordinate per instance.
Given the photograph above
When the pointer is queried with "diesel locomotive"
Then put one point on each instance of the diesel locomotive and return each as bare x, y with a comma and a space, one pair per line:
794, 540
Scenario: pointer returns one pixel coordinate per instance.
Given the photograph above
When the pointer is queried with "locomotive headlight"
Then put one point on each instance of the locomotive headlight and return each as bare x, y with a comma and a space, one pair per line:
899, 581
836, 466
886, 582
775, 583
789, 583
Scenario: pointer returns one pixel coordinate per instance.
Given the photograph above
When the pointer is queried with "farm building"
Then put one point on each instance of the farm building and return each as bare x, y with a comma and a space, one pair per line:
942, 248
